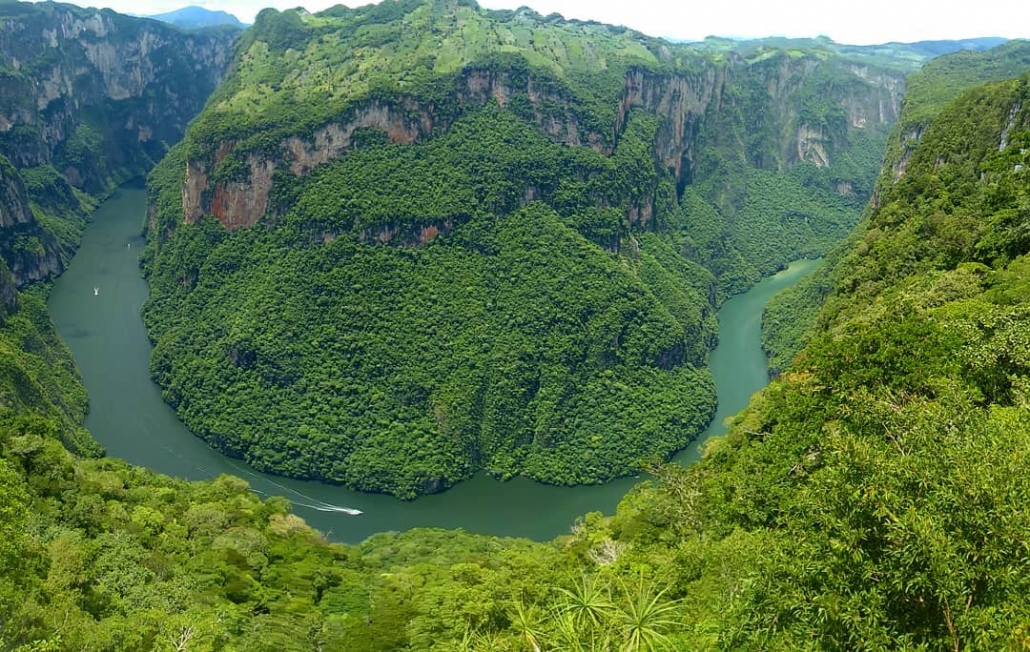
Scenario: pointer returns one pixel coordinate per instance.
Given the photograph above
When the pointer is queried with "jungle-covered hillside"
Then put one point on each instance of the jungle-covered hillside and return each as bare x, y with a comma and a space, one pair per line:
420, 239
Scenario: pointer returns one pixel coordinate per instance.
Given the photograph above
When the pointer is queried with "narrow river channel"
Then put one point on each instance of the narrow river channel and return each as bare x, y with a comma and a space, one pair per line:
96, 308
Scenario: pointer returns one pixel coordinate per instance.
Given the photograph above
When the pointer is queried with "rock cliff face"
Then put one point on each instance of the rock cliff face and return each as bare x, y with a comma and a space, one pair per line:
241, 203
75, 78
30, 253
97, 96
715, 106
8, 293
939, 82
682, 104
14, 200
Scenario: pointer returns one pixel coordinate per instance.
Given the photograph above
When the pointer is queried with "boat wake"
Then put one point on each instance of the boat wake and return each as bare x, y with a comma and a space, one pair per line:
308, 501
327, 507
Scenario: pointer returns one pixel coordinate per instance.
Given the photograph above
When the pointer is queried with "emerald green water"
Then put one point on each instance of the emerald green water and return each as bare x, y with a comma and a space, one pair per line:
104, 331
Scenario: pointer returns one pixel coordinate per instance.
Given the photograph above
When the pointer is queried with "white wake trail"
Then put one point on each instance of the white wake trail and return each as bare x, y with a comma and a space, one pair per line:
314, 503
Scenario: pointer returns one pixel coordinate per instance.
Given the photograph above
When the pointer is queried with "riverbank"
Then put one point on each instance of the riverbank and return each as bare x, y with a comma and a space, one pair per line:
96, 308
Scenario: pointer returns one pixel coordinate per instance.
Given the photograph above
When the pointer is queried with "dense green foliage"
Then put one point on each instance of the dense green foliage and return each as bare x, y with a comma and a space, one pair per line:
95, 554
907, 57
39, 375
898, 435
790, 316
296, 71
873, 497
100, 555
803, 175
942, 80
512, 343
530, 286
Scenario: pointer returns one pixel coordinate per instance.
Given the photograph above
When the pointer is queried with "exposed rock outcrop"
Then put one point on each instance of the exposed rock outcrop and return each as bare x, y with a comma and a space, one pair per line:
813, 146
697, 110
30, 253
85, 77
682, 103
99, 97
14, 200
8, 293
909, 141
241, 203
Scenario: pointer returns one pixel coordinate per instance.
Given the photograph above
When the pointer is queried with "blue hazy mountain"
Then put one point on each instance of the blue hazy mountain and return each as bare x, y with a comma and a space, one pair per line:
194, 17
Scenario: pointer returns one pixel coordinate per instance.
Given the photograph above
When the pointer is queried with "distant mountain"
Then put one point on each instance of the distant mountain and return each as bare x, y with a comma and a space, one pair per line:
937, 48
907, 56
194, 17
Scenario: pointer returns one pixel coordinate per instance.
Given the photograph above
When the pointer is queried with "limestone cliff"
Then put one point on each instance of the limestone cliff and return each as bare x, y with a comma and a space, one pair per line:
73, 78
8, 293
935, 85
242, 202
96, 96
682, 103
30, 253
796, 116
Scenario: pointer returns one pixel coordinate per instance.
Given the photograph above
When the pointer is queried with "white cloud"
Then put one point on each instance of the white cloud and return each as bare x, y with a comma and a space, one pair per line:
868, 21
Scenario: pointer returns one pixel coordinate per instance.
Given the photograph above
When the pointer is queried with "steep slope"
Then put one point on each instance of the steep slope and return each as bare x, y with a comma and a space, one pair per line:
88, 99
873, 497
890, 457
95, 554
442, 239
943, 80
38, 375
790, 316
402, 68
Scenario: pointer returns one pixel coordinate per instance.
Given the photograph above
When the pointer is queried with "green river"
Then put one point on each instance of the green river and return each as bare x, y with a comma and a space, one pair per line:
96, 308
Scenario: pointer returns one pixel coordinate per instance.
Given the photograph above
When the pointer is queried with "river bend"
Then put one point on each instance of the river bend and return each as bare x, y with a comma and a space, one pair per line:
96, 307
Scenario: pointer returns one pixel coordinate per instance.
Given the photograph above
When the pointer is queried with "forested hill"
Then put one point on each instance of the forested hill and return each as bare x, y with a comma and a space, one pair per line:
872, 497
419, 239
944, 79
908, 57
88, 99
890, 458
790, 316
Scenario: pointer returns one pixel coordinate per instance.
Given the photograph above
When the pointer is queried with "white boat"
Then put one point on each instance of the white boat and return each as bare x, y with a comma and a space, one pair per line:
342, 510
96, 291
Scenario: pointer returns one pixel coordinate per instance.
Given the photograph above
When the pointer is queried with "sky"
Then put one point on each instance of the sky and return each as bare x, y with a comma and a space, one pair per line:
858, 22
